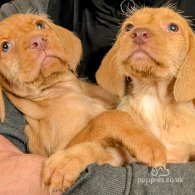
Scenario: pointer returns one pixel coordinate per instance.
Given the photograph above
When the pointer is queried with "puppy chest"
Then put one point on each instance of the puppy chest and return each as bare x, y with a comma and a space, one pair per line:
152, 113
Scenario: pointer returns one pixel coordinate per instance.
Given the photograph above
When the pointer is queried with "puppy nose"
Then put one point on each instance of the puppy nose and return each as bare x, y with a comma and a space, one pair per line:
141, 35
38, 42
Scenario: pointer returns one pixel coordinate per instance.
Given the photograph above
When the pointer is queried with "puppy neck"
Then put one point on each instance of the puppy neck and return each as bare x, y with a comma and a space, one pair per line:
50, 87
57, 86
154, 88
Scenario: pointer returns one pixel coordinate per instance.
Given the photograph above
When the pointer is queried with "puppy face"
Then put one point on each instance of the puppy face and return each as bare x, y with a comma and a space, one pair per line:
32, 49
153, 43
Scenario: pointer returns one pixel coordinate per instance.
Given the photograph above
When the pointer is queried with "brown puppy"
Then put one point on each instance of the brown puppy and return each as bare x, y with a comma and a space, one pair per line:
38, 60
156, 48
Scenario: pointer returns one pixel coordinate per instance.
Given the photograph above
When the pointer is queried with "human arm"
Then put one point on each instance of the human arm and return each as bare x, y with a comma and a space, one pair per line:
20, 173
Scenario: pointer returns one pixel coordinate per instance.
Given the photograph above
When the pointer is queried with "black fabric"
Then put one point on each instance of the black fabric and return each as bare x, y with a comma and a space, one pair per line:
96, 22
3, 1
159, 3
188, 9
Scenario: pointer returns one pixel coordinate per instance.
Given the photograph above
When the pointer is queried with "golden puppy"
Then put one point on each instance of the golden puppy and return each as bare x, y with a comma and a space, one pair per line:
156, 48
38, 61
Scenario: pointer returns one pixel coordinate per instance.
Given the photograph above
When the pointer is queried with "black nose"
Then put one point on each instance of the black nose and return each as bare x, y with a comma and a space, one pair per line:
141, 35
38, 42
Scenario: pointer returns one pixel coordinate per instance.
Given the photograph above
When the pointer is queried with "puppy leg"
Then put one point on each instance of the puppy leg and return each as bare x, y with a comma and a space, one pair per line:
62, 169
119, 127
34, 142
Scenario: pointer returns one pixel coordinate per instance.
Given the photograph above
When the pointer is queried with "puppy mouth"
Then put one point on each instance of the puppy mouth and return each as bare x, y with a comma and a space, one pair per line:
43, 63
47, 57
142, 58
52, 63
141, 54
141, 62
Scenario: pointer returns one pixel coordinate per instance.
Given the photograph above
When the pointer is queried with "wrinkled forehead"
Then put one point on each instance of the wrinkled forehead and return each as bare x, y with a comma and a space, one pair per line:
155, 15
19, 23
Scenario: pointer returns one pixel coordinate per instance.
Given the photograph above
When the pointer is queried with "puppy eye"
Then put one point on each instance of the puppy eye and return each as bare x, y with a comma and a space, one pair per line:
173, 27
6, 46
128, 27
40, 25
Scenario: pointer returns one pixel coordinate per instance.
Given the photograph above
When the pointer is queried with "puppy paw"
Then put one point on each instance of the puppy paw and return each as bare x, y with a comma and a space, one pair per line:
61, 170
151, 152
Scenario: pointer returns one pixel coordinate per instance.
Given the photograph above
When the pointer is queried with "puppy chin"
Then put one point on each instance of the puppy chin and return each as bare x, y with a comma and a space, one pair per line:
52, 65
139, 64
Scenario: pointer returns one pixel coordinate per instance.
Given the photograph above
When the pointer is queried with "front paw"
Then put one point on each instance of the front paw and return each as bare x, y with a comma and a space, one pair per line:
151, 152
61, 170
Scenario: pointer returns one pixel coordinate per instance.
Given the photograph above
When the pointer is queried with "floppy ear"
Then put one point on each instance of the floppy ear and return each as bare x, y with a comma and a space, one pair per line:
2, 106
184, 88
109, 75
71, 44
